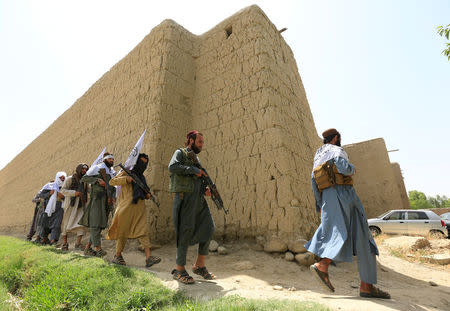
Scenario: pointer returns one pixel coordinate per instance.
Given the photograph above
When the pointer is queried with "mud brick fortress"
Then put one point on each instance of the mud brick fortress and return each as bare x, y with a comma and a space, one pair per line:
239, 85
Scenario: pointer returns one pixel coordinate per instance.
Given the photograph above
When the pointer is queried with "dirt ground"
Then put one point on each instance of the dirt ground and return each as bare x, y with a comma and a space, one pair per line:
409, 283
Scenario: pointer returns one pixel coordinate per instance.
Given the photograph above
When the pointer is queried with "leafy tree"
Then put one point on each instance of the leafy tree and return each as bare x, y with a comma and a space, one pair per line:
445, 32
418, 200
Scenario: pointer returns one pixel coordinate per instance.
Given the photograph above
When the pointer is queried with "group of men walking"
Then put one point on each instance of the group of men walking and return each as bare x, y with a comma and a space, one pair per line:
82, 202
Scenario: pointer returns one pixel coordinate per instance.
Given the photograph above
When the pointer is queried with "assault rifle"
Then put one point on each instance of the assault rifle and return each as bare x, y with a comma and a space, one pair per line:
140, 184
215, 196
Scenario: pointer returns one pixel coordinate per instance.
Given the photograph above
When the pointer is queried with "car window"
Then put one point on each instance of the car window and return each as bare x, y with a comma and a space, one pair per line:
417, 215
446, 216
396, 216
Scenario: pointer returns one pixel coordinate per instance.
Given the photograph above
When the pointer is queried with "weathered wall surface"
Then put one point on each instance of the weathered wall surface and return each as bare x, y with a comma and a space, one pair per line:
239, 85
401, 185
260, 135
374, 180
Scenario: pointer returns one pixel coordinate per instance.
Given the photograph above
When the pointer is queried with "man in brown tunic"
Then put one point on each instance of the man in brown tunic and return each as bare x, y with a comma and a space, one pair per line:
130, 218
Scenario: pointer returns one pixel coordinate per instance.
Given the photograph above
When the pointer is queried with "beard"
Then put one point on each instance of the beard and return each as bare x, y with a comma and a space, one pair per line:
108, 164
338, 143
195, 149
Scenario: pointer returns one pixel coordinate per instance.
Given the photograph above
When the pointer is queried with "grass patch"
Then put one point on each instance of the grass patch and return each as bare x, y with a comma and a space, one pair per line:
46, 279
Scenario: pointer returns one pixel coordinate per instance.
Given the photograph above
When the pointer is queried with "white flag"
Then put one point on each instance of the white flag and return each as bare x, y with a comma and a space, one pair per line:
99, 158
132, 158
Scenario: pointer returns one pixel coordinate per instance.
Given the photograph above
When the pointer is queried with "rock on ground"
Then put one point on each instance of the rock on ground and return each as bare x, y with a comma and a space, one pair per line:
275, 245
213, 245
305, 259
297, 246
289, 256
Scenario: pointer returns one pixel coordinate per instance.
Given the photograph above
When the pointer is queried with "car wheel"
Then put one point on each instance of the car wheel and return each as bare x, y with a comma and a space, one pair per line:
436, 234
375, 231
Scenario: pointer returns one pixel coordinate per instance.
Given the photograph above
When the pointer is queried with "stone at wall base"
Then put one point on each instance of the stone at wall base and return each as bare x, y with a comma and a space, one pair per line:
305, 259
213, 245
222, 250
275, 245
297, 246
289, 256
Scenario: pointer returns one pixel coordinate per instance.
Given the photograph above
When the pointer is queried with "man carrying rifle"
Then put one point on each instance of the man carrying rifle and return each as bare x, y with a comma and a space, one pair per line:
101, 202
130, 218
191, 216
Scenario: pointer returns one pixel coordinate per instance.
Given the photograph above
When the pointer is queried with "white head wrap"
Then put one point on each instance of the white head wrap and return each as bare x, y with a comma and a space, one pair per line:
93, 170
55, 186
328, 152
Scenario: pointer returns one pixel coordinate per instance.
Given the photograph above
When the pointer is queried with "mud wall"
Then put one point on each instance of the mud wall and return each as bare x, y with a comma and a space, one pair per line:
238, 84
401, 185
374, 181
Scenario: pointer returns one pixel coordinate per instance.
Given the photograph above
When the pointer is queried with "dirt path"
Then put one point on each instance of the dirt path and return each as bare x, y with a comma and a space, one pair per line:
408, 283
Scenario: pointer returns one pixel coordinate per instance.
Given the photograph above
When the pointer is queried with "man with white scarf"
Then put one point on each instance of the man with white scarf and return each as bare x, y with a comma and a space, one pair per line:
53, 214
343, 232
102, 197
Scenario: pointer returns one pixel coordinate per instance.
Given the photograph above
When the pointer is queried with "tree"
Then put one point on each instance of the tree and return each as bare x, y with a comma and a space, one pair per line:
418, 200
445, 32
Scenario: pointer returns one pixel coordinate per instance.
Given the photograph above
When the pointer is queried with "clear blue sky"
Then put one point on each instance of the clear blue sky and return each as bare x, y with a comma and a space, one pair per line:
370, 68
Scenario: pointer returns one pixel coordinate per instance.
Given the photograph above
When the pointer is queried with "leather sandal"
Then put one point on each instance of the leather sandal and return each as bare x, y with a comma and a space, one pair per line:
182, 276
322, 277
152, 260
203, 272
118, 260
65, 247
375, 293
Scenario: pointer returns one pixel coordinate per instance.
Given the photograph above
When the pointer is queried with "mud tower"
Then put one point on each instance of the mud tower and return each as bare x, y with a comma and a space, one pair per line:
375, 180
237, 83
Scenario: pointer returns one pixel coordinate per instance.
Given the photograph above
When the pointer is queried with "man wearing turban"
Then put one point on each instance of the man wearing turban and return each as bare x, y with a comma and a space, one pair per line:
192, 219
343, 231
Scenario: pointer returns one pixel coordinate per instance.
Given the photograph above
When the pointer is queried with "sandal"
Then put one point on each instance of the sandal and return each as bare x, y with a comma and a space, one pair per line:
118, 260
322, 277
65, 247
89, 252
152, 260
375, 293
203, 272
100, 253
182, 276
79, 246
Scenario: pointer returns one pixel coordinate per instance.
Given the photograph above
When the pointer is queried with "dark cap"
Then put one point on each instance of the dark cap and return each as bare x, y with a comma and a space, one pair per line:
329, 132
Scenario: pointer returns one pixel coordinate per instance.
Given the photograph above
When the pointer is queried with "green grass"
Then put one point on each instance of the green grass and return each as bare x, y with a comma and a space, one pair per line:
47, 279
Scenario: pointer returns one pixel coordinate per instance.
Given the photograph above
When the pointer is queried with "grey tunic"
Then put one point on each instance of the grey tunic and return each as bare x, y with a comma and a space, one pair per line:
97, 210
192, 219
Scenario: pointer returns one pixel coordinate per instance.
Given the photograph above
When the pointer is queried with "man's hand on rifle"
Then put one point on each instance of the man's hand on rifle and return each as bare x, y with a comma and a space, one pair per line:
102, 183
129, 179
77, 193
51, 192
60, 195
202, 173
207, 192
148, 196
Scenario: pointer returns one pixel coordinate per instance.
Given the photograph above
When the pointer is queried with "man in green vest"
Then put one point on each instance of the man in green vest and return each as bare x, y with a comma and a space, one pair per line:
191, 216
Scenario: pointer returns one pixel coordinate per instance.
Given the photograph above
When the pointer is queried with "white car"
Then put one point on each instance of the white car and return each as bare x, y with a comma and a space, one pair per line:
411, 222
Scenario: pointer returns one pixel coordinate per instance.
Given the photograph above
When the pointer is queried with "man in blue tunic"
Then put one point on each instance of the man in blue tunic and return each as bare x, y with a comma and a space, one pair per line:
343, 232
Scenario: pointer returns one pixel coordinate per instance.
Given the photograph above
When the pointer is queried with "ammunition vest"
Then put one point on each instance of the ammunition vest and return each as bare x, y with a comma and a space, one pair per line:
327, 175
182, 183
